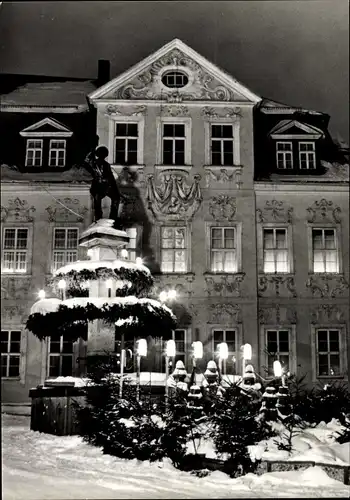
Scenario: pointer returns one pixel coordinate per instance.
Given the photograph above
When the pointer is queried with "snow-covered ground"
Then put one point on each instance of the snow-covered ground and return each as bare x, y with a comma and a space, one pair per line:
41, 466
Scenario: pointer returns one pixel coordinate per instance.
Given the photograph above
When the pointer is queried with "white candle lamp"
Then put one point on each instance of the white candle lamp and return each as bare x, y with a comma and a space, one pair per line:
197, 349
223, 350
247, 352
62, 284
138, 261
170, 349
141, 347
277, 368
124, 253
41, 294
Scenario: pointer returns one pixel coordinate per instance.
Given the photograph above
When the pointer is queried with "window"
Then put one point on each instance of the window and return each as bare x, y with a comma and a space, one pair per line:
60, 357
57, 153
34, 153
65, 247
284, 154
328, 353
173, 144
173, 250
15, 250
307, 155
221, 145
324, 251
277, 342
223, 250
10, 352
126, 143
175, 79
275, 251
228, 336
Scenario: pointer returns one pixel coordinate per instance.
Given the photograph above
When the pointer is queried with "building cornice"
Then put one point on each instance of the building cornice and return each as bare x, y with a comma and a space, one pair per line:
59, 188
154, 102
333, 187
20, 108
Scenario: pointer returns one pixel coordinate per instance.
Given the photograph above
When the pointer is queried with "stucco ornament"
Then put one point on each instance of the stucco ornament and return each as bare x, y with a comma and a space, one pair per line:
12, 312
223, 175
277, 315
209, 113
15, 288
66, 210
325, 286
179, 282
276, 285
224, 285
173, 199
274, 211
324, 211
225, 314
113, 110
327, 313
201, 85
222, 207
175, 111
17, 210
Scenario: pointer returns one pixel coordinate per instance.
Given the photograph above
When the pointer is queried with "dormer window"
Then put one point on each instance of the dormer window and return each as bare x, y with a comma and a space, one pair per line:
307, 155
34, 153
284, 154
57, 153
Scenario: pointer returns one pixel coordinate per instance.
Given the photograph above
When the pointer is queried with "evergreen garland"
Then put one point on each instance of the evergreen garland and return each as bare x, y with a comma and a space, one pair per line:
72, 321
141, 282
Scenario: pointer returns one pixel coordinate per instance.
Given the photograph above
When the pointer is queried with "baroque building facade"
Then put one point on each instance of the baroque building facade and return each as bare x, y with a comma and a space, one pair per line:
238, 203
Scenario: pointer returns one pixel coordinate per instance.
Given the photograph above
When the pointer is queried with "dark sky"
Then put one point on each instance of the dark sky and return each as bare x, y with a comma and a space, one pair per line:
292, 51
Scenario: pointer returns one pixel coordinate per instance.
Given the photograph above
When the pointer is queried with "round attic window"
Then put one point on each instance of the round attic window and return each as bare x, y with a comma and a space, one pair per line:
175, 79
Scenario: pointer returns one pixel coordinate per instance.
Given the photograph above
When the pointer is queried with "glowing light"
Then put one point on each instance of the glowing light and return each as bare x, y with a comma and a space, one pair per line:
62, 284
109, 283
172, 294
197, 350
85, 285
41, 294
277, 369
90, 252
163, 296
223, 350
141, 347
124, 253
247, 351
138, 261
171, 348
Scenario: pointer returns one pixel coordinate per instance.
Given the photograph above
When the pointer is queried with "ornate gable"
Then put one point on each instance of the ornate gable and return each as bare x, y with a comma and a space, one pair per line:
202, 81
295, 129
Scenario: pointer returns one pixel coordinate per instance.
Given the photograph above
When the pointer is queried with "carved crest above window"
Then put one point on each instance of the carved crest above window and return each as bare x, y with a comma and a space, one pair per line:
324, 211
173, 198
224, 285
274, 211
17, 210
327, 313
277, 315
112, 109
222, 207
209, 113
225, 314
66, 210
276, 285
327, 286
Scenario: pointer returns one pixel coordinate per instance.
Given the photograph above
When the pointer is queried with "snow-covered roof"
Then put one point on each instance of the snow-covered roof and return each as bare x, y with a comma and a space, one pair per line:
101, 301
81, 265
271, 105
44, 306
50, 94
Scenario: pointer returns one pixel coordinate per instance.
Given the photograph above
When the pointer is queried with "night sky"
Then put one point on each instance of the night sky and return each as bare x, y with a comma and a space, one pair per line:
291, 51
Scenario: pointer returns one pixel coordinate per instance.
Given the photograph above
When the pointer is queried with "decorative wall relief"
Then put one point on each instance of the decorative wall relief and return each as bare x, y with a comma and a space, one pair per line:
324, 211
222, 207
201, 85
66, 210
224, 285
15, 288
173, 199
325, 286
12, 312
182, 283
17, 210
174, 111
112, 109
209, 113
326, 313
274, 211
225, 314
276, 285
223, 175
277, 315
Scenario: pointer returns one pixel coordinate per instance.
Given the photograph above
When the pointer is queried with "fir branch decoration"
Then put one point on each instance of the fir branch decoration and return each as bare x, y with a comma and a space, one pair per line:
76, 280
72, 321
